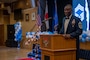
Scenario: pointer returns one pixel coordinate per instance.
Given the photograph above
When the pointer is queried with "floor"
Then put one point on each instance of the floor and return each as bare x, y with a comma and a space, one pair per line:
7, 53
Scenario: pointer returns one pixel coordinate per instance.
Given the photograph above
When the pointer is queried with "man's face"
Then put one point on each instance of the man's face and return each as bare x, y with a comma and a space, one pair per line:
67, 11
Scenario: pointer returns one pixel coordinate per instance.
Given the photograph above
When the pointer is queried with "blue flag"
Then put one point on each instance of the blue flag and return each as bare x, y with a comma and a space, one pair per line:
80, 10
88, 9
55, 16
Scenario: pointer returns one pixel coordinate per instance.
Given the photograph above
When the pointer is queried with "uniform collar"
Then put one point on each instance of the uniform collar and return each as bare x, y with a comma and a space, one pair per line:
68, 17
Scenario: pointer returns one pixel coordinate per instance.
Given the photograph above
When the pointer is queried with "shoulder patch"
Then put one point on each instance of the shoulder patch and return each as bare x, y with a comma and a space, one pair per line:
80, 25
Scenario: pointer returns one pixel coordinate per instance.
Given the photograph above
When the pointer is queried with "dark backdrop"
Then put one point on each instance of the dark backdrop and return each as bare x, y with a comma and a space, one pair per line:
60, 7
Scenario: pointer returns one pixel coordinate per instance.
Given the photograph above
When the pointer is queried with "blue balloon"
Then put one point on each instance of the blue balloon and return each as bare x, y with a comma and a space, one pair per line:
84, 35
83, 40
89, 38
50, 32
30, 33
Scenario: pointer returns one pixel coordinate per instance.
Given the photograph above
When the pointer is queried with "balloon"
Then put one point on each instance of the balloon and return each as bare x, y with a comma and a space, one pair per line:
84, 35
83, 40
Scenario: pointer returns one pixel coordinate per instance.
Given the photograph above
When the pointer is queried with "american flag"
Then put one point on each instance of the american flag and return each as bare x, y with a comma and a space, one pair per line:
38, 18
38, 21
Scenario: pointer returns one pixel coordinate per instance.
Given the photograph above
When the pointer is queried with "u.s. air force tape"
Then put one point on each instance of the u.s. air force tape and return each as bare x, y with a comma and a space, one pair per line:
80, 25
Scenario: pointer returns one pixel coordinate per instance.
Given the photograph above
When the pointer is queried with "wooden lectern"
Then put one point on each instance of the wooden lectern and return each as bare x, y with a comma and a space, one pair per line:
56, 47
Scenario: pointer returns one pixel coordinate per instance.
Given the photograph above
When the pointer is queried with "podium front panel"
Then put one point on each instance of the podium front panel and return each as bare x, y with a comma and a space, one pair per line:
56, 42
45, 41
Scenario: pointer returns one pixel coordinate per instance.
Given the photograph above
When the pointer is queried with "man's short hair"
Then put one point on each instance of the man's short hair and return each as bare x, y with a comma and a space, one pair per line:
68, 5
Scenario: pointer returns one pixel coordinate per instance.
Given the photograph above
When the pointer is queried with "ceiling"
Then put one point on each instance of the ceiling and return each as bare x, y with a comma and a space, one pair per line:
7, 1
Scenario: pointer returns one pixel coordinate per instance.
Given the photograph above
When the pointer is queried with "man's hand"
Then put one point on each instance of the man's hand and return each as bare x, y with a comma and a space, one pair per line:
66, 35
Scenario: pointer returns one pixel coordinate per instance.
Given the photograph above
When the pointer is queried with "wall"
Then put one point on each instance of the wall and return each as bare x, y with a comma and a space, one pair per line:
1, 16
4, 19
27, 26
24, 4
